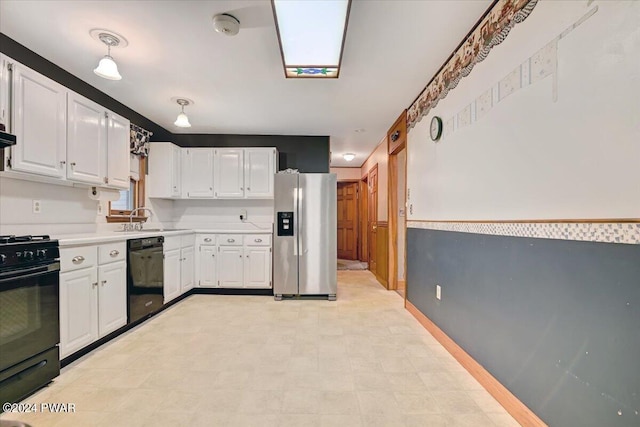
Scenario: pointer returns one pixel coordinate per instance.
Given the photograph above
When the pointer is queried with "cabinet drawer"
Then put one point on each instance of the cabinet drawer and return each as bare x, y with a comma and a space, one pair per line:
112, 252
257, 240
187, 240
230, 239
172, 242
77, 258
206, 239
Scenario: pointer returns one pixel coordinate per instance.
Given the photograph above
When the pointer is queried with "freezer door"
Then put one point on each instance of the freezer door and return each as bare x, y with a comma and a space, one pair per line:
285, 240
317, 227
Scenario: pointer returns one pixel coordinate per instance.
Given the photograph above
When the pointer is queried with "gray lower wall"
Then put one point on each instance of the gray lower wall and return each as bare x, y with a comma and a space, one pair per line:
556, 322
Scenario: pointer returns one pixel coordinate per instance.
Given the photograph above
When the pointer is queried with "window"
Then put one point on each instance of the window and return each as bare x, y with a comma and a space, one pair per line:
132, 198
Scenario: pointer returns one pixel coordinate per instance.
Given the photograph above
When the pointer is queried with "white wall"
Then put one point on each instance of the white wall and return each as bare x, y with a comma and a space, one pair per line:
346, 174
63, 209
530, 157
213, 213
401, 158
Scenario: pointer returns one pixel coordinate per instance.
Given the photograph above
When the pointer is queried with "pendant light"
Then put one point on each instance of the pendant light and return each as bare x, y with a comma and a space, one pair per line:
182, 121
107, 67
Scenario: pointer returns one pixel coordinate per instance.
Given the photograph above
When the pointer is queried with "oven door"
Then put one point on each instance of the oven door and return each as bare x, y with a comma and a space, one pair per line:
29, 312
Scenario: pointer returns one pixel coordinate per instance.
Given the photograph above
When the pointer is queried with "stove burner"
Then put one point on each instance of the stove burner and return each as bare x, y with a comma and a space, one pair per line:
17, 239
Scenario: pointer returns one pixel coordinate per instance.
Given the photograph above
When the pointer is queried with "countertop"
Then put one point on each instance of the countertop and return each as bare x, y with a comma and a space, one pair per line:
116, 236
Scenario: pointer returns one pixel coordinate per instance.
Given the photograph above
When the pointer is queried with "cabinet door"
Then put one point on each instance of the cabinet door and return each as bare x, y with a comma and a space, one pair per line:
186, 269
86, 140
4, 92
176, 171
118, 137
197, 167
207, 267
171, 275
229, 173
259, 167
112, 297
257, 267
39, 120
78, 310
231, 258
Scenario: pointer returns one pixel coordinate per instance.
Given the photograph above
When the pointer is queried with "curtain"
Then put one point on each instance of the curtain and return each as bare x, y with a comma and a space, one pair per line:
139, 142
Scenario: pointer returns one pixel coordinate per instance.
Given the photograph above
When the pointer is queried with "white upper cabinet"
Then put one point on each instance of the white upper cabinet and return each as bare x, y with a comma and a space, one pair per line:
164, 171
118, 158
197, 167
39, 119
229, 173
259, 167
86, 140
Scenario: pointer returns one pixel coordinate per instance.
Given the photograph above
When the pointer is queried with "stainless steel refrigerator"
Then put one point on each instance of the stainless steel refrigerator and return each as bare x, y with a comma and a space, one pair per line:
305, 251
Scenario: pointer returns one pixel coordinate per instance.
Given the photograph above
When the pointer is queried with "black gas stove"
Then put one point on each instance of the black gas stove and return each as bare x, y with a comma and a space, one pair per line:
23, 251
29, 314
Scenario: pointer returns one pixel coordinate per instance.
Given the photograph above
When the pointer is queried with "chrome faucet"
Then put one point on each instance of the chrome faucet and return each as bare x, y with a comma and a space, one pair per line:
131, 215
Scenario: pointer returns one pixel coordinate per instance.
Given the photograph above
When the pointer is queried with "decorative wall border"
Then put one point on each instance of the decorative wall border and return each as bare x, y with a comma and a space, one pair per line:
609, 232
489, 32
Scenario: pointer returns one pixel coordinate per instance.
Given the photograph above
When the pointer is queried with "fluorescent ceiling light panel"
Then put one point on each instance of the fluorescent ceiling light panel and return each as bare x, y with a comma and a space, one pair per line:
311, 35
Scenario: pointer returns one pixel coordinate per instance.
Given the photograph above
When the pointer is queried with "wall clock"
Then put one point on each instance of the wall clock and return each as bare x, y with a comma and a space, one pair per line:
436, 128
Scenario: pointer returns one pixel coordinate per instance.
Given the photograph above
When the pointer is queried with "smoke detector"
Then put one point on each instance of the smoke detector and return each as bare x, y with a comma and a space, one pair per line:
226, 24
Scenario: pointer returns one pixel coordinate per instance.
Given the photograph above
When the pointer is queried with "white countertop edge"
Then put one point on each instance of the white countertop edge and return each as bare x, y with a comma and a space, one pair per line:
118, 236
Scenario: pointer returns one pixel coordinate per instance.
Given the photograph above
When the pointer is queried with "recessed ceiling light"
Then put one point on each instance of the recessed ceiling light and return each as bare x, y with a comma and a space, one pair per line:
348, 156
311, 36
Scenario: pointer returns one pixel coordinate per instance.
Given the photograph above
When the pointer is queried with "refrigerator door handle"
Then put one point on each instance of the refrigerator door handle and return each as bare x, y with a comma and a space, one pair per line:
300, 204
295, 222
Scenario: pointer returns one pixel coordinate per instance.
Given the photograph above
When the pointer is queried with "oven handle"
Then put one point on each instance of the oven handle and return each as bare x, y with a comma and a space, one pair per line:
29, 272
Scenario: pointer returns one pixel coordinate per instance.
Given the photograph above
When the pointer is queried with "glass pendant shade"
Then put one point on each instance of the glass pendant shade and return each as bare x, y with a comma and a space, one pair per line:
107, 69
182, 121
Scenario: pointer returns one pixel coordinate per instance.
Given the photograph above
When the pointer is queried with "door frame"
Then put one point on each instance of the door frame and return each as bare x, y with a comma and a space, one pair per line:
394, 147
355, 181
363, 211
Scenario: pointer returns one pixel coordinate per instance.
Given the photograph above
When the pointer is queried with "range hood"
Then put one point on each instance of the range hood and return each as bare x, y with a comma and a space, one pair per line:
6, 139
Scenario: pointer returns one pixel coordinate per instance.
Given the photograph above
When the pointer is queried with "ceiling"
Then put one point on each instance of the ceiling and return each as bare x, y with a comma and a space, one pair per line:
392, 49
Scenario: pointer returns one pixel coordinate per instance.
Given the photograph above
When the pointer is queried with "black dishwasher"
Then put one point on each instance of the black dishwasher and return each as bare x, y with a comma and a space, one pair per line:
145, 277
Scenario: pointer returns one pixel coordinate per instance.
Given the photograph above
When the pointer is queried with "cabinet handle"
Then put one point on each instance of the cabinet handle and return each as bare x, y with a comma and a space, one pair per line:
73, 164
106, 180
94, 284
247, 256
241, 188
114, 253
62, 163
231, 240
104, 282
257, 240
78, 260
211, 188
240, 256
207, 239
248, 188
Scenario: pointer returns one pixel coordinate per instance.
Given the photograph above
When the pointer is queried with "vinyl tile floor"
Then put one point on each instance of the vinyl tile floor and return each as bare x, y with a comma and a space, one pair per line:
214, 360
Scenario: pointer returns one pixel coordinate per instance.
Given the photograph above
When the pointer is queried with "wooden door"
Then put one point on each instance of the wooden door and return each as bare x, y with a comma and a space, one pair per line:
363, 221
373, 218
348, 220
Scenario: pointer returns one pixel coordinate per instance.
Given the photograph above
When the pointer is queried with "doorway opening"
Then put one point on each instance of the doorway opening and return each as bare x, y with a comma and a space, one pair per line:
397, 150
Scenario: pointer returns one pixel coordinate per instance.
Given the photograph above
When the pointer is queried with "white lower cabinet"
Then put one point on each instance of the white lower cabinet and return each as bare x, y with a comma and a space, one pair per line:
93, 296
171, 274
78, 310
234, 261
257, 267
179, 266
231, 261
112, 313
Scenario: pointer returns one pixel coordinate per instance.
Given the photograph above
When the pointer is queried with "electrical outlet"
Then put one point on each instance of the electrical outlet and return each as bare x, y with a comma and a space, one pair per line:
438, 292
243, 214
37, 207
